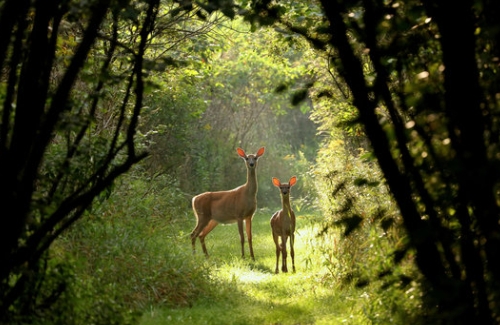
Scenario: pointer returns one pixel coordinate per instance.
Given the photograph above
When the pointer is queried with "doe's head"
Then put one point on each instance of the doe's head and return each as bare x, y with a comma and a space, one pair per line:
251, 160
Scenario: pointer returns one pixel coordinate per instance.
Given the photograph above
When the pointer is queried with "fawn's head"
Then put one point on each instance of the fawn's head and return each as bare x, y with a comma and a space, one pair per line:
284, 187
250, 160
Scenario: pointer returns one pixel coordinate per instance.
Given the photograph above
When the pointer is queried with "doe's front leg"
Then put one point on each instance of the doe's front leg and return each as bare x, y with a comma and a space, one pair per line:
242, 237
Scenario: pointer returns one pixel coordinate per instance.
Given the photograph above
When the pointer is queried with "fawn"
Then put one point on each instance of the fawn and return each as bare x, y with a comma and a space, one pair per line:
283, 224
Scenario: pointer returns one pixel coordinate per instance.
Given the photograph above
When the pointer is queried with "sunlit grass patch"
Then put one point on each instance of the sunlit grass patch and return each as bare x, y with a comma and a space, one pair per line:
248, 292
251, 276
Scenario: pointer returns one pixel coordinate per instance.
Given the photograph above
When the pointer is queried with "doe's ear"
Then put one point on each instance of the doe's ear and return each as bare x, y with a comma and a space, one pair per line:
276, 182
241, 153
292, 181
260, 152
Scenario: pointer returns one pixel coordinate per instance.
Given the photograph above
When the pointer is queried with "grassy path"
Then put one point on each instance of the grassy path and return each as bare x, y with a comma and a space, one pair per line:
250, 293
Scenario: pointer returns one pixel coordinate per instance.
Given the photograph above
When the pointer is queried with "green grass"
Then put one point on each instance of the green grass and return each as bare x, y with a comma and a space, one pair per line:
247, 292
132, 258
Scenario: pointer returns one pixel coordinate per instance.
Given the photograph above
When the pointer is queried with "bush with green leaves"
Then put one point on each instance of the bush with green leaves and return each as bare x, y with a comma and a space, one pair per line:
360, 231
123, 256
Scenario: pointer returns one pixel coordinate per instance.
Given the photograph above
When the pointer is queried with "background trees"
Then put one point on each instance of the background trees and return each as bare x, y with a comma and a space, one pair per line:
226, 98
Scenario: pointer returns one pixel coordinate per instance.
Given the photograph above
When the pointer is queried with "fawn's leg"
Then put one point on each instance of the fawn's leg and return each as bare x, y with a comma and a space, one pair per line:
284, 238
278, 249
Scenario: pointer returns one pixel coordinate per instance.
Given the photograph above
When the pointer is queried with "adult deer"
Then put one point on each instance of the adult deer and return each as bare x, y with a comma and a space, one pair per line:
236, 205
283, 224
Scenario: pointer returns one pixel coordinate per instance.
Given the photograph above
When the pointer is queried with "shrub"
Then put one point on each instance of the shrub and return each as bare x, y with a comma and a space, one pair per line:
362, 244
125, 261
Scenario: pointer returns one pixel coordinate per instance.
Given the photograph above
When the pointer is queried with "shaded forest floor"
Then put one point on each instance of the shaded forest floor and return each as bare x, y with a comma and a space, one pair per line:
247, 292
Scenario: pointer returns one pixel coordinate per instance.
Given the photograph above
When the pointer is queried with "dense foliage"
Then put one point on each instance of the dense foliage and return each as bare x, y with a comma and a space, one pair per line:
60, 146
424, 79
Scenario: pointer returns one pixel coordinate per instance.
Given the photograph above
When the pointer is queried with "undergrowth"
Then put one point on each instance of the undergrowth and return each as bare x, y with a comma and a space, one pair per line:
363, 226
128, 253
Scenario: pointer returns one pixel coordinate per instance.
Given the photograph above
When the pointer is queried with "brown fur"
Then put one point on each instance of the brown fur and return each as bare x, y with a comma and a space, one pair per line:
236, 205
283, 225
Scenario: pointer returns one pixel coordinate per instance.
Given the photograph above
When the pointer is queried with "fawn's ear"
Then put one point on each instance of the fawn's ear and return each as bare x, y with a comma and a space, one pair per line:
260, 152
292, 181
276, 182
241, 153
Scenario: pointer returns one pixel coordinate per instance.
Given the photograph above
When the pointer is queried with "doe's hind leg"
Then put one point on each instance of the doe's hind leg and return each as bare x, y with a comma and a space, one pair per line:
208, 228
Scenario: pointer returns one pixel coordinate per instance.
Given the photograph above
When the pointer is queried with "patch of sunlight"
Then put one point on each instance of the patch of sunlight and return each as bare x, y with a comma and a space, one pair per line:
252, 276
